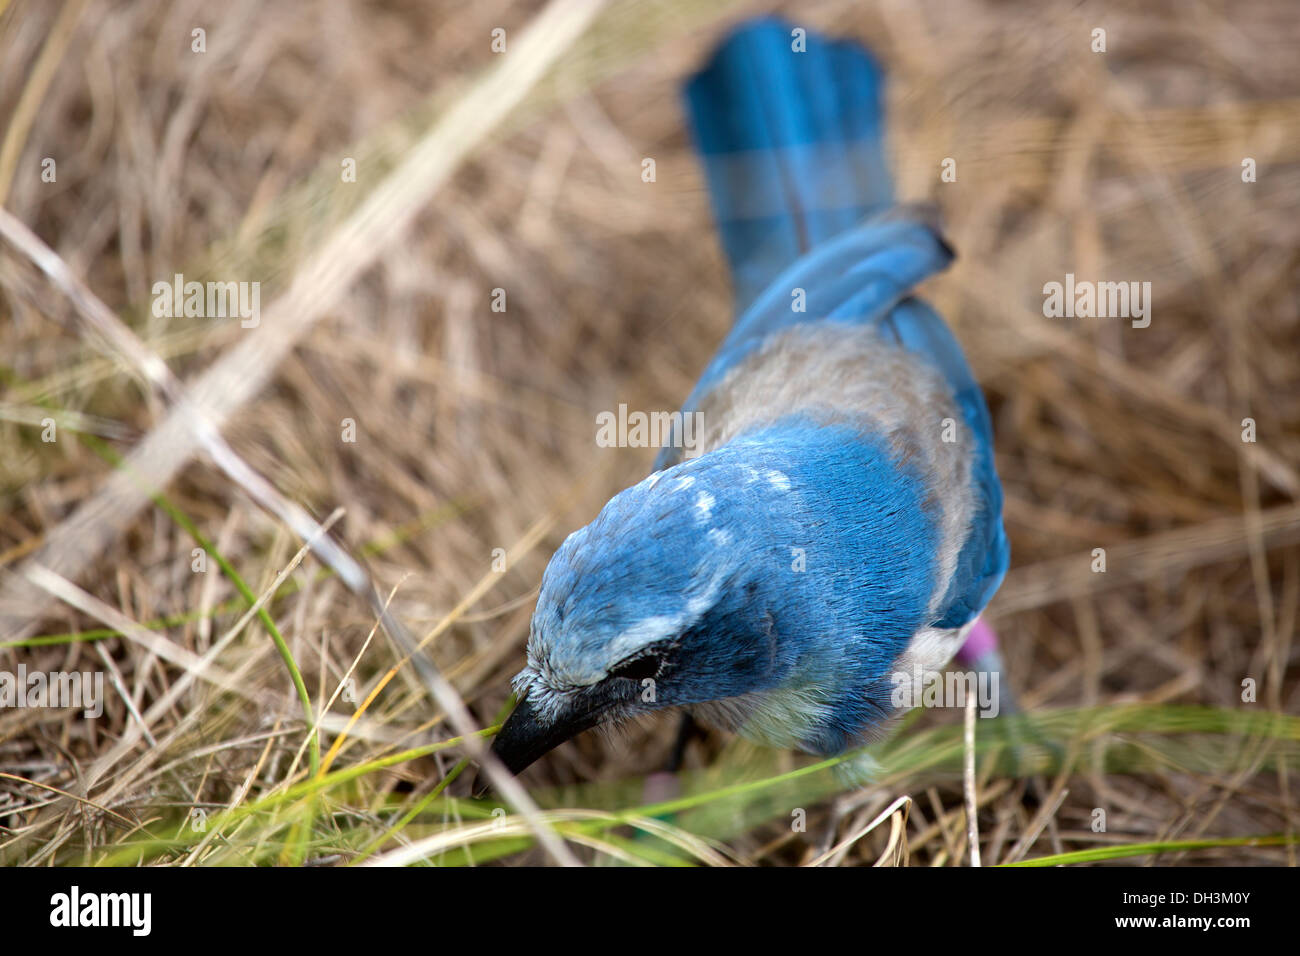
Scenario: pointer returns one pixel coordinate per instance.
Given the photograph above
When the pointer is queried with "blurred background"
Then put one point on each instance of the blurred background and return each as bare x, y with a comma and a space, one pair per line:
1166, 687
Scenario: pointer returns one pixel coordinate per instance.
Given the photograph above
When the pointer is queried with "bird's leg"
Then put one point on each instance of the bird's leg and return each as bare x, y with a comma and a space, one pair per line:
663, 785
686, 729
981, 653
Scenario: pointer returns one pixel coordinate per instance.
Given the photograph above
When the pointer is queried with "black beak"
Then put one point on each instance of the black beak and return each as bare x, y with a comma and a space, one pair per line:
527, 734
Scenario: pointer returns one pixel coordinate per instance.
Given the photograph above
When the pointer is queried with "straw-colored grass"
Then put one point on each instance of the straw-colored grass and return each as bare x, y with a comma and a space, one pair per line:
260, 713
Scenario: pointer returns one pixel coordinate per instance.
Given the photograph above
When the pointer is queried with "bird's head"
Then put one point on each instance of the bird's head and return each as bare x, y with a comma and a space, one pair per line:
662, 601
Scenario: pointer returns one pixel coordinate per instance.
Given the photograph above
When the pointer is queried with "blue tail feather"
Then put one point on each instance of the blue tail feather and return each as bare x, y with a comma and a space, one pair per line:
791, 143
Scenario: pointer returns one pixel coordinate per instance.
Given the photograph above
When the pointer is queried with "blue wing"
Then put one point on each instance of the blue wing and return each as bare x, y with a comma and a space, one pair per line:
984, 559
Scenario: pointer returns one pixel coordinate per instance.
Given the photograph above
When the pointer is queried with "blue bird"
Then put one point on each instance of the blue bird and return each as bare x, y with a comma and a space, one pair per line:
839, 521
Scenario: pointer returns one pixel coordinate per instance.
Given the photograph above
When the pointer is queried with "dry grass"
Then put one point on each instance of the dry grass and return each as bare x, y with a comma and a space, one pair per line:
475, 429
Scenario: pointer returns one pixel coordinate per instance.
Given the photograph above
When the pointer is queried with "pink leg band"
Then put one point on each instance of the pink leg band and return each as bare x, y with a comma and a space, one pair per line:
980, 639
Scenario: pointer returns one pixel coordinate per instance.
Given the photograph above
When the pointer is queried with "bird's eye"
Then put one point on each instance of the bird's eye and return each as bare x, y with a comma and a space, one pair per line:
637, 668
